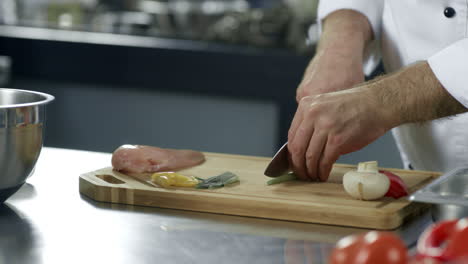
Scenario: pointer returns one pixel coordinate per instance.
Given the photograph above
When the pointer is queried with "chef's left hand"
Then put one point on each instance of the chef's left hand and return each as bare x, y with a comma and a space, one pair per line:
332, 124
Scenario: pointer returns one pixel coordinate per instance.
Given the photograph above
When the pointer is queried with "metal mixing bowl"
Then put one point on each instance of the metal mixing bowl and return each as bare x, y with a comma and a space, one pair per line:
448, 194
448, 211
22, 116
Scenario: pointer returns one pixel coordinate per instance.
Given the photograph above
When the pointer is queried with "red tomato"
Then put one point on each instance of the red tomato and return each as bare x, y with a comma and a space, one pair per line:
445, 241
369, 248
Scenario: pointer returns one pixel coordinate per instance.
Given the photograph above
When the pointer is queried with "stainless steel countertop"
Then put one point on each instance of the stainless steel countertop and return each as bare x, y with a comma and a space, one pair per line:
49, 221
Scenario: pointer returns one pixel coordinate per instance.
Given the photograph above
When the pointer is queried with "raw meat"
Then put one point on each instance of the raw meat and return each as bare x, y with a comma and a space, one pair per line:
141, 159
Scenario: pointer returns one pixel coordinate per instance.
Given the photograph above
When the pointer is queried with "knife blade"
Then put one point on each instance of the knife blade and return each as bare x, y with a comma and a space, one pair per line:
279, 165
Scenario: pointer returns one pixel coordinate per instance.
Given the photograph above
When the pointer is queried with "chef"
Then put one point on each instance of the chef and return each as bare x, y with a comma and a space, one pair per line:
422, 98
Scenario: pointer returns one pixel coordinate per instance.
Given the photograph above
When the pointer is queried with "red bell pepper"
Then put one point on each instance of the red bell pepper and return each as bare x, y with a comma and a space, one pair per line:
397, 187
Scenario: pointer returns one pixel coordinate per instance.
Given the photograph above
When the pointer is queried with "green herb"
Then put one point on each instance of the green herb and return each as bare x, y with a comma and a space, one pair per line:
282, 178
217, 181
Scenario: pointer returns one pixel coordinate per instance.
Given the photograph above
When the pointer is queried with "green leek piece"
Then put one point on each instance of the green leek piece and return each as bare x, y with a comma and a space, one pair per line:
282, 178
217, 181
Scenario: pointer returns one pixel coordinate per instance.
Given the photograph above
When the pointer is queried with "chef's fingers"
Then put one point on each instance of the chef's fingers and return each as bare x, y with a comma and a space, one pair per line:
314, 152
329, 156
298, 140
297, 119
298, 147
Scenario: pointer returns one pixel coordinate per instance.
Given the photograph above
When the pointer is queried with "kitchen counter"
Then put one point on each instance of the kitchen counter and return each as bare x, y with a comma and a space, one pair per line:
49, 221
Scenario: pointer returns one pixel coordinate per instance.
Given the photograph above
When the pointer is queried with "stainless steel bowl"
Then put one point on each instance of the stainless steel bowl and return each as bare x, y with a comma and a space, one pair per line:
448, 212
22, 116
448, 194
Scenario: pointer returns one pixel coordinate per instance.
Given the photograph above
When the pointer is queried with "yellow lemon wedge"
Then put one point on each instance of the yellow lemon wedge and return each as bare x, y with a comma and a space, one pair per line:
166, 179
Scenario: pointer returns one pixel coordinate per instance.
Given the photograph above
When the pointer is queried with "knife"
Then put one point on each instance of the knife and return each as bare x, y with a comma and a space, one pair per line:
279, 165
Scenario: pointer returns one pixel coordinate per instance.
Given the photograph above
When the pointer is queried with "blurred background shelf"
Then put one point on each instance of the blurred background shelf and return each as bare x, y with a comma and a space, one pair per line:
258, 23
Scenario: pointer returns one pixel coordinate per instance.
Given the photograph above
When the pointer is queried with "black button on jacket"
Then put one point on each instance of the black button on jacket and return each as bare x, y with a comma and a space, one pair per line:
449, 12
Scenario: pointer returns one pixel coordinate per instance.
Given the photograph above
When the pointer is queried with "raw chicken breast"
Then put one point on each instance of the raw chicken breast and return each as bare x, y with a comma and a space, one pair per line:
141, 159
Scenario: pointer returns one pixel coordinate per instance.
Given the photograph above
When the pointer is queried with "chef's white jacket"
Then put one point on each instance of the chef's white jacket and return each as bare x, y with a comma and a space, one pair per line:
407, 31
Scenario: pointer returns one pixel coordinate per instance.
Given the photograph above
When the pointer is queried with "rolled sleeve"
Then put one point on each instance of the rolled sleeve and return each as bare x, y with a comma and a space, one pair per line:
450, 66
372, 10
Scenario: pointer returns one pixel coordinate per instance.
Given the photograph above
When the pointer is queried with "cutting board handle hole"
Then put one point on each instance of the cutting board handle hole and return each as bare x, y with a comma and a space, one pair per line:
110, 179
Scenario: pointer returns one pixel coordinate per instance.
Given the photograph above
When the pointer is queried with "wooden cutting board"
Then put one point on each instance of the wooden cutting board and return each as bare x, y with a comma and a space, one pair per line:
325, 203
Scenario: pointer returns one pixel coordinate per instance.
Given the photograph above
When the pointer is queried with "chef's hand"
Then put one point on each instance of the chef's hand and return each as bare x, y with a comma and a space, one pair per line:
338, 61
336, 66
329, 125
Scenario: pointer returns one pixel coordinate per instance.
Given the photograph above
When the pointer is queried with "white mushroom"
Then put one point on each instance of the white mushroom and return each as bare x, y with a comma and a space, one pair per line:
366, 183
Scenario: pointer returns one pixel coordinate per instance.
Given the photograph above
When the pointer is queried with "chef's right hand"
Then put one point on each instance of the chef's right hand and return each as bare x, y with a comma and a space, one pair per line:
337, 66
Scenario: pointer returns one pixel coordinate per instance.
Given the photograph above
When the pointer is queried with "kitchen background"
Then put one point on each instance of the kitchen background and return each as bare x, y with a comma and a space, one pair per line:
210, 75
